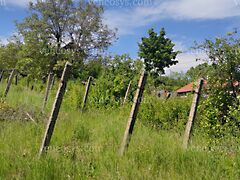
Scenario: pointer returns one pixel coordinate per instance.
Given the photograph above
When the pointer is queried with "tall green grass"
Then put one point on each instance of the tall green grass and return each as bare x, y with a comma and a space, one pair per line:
85, 146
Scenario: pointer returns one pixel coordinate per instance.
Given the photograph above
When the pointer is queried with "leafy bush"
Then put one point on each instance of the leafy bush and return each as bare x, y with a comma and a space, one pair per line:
74, 95
109, 89
220, 118
169, 114
234, 112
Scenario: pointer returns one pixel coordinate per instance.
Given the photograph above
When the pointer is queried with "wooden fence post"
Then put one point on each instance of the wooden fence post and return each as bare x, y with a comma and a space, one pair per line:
28, 81
86, 93
16, 79
193, 112
53, 81
50, 76
55, 110
134, 112
1, 75
8, 77
127, 92
168, 96
9, 82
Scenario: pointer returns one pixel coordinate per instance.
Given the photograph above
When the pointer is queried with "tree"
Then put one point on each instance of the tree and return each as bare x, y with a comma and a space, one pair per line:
202, 70
112, 84
224, 59
172, 82
9, 53
157, 51
65, 30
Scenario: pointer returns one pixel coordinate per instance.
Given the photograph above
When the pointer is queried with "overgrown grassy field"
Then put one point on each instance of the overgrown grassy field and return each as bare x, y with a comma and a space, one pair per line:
85, 146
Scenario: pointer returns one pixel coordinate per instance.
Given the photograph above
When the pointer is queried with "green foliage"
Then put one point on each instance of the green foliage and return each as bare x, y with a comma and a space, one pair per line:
74, 95
165, 115
110, 88
222, 94
60, 31
9, 54
234, 112
86, 145
215, 115
224, 58
202, 70
92, 68
157, 51
171, 82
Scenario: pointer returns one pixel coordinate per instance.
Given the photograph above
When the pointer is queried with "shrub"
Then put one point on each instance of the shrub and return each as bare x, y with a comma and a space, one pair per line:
220, 118
169, 114
74, 95
110, 91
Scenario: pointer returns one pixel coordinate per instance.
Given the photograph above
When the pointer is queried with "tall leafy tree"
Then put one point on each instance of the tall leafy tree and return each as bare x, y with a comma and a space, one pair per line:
116, 73
9, 53
223, 78
158, 52
65, 30
201, 70
224, 58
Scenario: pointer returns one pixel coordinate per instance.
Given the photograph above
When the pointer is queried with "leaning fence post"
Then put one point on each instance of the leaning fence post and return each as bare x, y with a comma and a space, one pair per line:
134, 112
49, 81
16, 79
1, 75
53, 81
28, 81
9, 82
193, 112
86, 93
127, 92
8, 77
55, 109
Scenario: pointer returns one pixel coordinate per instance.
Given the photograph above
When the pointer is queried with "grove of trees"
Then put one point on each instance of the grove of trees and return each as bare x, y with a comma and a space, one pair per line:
56, 32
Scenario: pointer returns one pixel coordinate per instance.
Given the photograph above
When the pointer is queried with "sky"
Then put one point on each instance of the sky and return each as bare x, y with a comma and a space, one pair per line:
185, 22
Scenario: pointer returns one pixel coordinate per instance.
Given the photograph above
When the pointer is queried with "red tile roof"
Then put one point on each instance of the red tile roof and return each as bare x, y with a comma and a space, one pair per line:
189, 87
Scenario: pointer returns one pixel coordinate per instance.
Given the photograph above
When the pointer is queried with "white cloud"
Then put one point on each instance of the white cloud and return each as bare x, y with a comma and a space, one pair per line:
180, 46
3, 40
201, 9
19, 3
126, 20
129, 19
186, 61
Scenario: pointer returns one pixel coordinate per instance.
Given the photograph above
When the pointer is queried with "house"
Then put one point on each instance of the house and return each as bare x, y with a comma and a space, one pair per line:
189, 88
